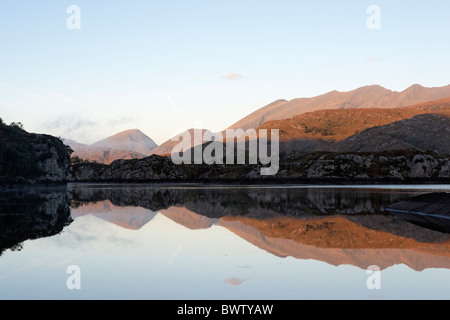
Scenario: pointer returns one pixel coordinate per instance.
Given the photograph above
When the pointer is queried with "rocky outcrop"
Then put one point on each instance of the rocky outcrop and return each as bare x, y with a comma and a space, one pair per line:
54, 158
28, 158
394, 167
401, 166
153, 168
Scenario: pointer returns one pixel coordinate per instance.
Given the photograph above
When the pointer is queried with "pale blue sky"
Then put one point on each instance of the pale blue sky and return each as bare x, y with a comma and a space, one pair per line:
161, 66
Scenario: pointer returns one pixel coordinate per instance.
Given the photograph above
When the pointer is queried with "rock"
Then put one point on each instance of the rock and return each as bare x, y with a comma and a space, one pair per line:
444, 172
28, 158
363, 166
396, 174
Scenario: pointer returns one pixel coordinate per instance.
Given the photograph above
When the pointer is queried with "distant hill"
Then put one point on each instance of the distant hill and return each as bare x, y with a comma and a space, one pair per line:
130, 144
364, 97
100, 154
131, 140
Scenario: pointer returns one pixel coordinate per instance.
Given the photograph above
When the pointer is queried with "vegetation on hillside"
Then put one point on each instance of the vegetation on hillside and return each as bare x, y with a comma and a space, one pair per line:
21, 152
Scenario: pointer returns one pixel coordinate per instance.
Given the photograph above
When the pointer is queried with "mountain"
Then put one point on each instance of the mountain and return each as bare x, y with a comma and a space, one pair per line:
100, 154
166, 148
129, 144
131, 140
326, 130
259, 116
365, 97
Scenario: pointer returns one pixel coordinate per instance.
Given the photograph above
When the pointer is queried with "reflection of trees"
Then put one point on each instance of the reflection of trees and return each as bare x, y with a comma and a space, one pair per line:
31, 215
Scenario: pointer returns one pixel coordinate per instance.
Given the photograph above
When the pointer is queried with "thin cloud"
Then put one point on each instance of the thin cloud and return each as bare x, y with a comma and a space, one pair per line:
69, 123
25, 93
233, 77
70, 126
120, 120
175, 105
67, 99
372, 59
234, 281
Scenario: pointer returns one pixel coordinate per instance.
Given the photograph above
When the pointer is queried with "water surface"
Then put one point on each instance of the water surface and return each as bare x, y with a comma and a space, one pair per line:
220, 242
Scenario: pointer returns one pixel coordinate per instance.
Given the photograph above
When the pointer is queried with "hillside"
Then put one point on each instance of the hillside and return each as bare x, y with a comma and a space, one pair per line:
364, 97
166, 148
325, 129
425, 132
28, 158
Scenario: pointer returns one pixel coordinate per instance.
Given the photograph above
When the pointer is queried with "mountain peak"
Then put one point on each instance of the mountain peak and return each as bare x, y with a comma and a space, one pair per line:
128, 132
415, 87
132, 140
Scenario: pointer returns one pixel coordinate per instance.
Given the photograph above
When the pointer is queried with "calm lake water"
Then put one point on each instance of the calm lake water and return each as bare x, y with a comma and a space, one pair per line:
91, 241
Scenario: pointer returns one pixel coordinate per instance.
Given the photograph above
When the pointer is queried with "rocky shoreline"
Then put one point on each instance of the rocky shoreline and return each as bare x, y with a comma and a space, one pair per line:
402, 167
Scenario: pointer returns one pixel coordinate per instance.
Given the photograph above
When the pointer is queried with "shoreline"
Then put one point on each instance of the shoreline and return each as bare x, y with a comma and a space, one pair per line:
265, 182
278, 181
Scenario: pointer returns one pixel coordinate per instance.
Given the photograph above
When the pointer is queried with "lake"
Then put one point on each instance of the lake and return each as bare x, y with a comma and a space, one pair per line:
189, 242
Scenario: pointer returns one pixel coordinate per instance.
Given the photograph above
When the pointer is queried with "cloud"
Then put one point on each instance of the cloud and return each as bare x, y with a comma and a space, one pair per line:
69, 123
119, 120
69, 126
234, 281
233, 77
372, 59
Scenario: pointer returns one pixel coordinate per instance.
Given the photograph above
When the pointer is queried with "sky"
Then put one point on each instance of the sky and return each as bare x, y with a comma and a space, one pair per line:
167, 66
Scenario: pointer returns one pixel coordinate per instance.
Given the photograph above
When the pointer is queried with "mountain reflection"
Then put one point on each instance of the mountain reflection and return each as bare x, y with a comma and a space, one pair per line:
32, 214
335, 225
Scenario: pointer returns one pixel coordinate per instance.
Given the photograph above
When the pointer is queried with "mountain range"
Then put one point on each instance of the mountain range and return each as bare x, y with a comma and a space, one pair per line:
365, 97
370, 118
423, 126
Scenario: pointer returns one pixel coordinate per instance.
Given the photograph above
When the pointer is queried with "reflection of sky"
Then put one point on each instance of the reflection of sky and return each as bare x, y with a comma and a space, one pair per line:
164, 260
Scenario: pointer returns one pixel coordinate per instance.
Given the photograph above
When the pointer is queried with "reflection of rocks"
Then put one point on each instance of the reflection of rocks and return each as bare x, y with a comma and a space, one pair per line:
430, 210
32, 214
237, 201
335, 225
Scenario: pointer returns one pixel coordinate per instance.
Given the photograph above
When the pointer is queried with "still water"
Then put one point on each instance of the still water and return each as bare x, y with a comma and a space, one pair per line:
92, 241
